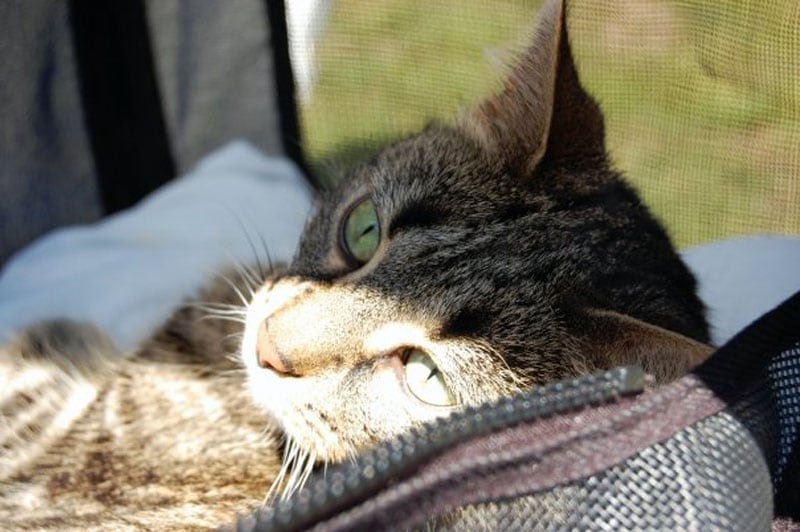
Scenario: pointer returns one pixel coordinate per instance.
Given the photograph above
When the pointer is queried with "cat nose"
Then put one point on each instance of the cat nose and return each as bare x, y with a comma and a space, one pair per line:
267, 351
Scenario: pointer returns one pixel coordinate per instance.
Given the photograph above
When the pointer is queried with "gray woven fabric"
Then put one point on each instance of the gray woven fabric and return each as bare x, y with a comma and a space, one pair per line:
708, 477
714, 475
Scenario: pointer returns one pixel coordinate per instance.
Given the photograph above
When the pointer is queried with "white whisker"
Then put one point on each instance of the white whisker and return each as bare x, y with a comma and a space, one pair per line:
222, 309
238, 336
205, 305
251, 279
235, 288
296, 468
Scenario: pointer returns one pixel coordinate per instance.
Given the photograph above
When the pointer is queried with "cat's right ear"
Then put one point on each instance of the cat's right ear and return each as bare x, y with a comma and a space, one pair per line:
542, 113
613, 339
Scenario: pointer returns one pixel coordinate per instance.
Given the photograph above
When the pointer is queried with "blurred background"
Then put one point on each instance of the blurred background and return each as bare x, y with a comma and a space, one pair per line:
104, 102
701, 99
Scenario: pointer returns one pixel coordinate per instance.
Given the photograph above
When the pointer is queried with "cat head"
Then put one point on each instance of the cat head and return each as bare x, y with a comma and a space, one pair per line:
468, 262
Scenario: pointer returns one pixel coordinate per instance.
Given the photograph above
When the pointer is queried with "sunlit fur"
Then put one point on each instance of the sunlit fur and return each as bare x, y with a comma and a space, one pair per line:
511, 254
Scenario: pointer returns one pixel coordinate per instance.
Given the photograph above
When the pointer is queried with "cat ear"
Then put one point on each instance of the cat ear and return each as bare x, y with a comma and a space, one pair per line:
542, 111
613, 339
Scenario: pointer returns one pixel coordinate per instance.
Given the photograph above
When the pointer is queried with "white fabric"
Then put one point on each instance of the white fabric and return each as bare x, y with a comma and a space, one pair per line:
742, 278
127, 273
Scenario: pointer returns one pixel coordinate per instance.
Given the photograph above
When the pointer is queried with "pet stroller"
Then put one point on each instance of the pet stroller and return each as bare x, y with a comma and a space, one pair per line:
106, 102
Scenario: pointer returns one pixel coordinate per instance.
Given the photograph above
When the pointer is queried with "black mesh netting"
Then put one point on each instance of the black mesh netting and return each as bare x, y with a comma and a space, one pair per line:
785, 379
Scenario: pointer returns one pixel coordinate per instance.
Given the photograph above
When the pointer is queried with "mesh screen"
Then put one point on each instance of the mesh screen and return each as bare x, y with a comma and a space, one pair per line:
785, 379
702, 99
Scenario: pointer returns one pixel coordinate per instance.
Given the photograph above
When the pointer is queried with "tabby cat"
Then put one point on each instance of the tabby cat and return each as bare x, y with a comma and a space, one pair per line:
464, 263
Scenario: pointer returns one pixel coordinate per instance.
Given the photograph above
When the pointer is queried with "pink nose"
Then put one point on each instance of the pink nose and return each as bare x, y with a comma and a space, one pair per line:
267, 351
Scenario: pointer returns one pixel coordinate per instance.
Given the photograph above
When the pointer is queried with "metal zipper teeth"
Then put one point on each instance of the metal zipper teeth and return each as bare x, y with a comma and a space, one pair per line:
347, 484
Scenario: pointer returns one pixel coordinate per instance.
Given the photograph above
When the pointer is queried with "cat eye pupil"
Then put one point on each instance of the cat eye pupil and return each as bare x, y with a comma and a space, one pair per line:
361, 232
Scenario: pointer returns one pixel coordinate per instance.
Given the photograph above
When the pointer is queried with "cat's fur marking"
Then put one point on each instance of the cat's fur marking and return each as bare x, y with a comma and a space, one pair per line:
512, 254
161, 440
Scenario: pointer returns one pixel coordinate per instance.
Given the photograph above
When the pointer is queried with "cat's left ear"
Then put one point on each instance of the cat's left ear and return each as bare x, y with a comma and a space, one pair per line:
611, 339
542, 113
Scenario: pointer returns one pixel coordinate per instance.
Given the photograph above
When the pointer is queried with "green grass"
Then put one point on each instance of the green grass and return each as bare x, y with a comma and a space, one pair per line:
702, 99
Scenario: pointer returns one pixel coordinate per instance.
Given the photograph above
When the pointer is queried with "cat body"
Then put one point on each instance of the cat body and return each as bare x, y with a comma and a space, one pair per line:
459, 265
164, 439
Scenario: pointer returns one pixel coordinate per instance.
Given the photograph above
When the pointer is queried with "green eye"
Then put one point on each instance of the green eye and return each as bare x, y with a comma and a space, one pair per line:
361, 233
425, 381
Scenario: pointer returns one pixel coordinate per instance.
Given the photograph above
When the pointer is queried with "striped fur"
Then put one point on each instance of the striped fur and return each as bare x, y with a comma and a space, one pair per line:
166, 438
